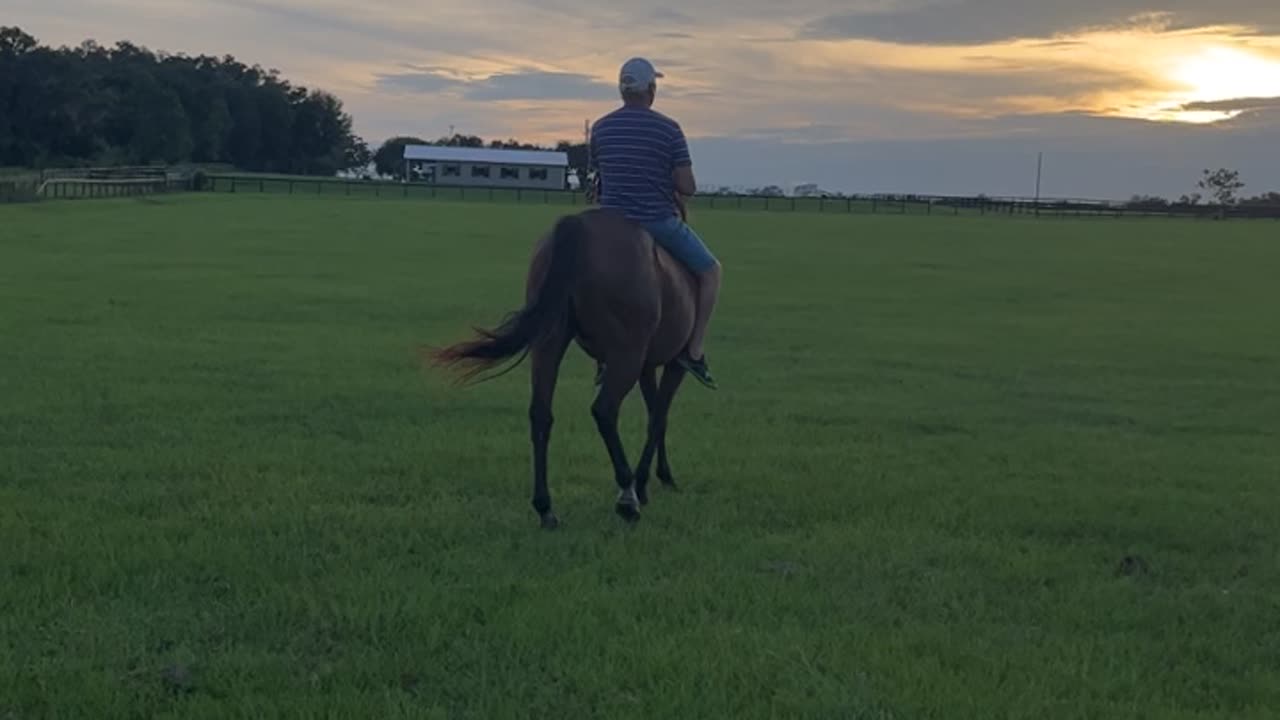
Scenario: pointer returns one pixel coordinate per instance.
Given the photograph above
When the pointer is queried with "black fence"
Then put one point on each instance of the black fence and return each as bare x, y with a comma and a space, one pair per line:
129, 182
859, 204
382, 189
32, 188
19, 189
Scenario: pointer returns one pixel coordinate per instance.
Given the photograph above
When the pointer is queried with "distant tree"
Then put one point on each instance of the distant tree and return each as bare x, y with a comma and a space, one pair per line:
389, 158
1270, 199
577, 154
513, 144
14, 42
459, 140
358, 157
1147, 202
1221, 184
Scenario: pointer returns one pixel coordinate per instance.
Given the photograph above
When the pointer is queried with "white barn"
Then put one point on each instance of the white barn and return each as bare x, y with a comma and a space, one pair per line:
486, 167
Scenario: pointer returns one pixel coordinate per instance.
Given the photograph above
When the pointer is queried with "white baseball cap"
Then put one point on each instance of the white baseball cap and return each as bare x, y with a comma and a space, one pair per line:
637, 74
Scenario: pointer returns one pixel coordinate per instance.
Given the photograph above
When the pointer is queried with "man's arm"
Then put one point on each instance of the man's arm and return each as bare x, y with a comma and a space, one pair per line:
682, 175
686, 185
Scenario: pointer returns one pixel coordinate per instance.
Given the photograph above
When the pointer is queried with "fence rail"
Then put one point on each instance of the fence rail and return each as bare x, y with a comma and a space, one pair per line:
128, 182
874, 204
33, 188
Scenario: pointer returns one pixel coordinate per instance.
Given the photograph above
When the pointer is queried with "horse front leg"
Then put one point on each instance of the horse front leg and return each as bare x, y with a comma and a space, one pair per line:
622, 370
658, 399
649, 388
672, 376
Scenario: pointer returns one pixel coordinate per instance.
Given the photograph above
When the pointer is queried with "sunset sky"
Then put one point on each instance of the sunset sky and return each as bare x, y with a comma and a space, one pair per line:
942, 96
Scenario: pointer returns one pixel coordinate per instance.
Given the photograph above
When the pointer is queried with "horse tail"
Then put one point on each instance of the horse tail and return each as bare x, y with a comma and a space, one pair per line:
542, 314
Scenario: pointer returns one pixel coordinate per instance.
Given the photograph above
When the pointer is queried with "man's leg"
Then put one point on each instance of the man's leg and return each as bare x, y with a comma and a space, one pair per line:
708, 293
682, 242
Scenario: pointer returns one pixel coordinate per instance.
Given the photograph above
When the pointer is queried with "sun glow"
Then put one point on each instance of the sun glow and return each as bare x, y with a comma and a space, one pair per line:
1215, 75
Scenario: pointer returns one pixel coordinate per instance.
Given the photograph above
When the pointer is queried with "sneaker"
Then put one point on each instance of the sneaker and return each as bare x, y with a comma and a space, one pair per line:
698, 369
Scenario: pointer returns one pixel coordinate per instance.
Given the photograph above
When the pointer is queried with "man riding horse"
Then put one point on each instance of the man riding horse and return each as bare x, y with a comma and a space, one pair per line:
596, 278
643, 169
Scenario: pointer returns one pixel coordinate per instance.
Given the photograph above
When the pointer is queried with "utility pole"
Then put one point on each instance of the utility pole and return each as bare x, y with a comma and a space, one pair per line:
1039, 171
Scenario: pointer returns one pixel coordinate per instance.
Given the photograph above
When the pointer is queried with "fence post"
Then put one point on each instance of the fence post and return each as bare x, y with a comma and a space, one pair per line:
262, 185
848, 205
766, 202
875, 205
290, 187
793, 204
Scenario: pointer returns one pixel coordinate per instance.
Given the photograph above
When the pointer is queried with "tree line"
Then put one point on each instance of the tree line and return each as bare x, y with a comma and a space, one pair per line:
126, 105
1223, 186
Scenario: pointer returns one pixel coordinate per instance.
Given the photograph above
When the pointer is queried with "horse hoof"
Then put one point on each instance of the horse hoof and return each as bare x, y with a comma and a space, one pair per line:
670, 484
550, 521
628, 512
643, 496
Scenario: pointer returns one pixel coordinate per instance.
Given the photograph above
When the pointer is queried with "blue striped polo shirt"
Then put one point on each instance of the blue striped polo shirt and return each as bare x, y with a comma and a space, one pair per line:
635, 151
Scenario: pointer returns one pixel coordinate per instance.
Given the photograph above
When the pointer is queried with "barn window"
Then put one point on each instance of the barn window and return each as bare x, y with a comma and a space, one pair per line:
479, 171
537, 173
452, 171
510, 173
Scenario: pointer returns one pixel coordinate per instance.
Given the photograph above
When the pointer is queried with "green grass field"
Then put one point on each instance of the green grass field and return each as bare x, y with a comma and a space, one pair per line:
227, 489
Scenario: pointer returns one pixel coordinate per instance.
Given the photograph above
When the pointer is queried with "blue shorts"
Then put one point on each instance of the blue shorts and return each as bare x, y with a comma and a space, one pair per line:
682, 242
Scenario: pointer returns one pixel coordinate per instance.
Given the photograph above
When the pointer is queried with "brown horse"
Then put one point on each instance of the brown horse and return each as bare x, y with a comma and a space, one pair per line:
601, 280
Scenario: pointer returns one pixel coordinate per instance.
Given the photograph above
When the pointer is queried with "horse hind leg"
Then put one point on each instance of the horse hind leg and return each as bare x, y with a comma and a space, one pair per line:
544, 360
622, 370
